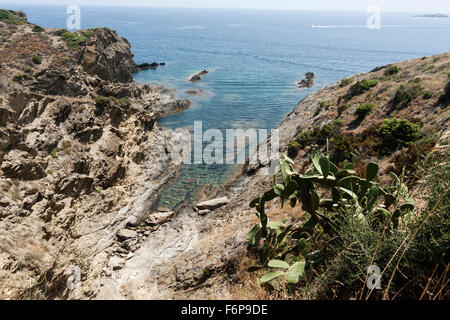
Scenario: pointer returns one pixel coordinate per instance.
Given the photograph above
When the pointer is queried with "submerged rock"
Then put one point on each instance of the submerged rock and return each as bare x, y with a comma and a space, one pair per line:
147, 66
194, 92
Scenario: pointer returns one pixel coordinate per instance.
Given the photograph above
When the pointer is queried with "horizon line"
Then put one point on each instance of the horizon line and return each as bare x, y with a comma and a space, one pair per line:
212, 8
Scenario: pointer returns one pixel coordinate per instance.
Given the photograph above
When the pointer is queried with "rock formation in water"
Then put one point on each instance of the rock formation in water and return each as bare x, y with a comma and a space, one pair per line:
81, 156
194, 92
147, 66
308, 81
198, 76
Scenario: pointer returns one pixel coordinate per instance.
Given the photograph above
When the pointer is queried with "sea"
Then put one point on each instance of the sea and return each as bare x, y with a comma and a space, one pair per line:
254, 58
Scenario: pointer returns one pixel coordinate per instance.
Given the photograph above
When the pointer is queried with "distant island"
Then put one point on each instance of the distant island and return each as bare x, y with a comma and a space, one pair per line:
435, 15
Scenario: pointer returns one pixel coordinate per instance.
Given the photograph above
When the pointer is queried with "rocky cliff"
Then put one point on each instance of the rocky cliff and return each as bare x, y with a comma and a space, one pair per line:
81, 155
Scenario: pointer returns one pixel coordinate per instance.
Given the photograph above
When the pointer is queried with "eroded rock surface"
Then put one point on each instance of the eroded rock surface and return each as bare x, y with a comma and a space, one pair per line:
81, 155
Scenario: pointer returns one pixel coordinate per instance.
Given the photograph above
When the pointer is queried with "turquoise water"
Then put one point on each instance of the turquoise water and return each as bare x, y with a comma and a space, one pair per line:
255, 58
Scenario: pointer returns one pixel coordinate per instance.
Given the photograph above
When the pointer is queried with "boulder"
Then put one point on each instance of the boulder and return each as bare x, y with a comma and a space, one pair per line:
75, 185
126, 234
159, 217
211, 204
22, 166
116, 262
204, 212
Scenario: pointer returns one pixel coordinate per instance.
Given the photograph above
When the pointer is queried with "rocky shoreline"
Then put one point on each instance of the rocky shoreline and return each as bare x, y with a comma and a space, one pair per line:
81, 155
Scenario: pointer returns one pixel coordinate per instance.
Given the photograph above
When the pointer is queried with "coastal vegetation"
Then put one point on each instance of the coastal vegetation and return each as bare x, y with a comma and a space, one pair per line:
37, 59
392, 70
352, 222
406, 94
364, 110
365, 191
8, 17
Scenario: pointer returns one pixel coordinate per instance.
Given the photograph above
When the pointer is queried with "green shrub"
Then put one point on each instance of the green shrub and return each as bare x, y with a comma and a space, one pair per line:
54, 152
328, 130
345, 82
360, 87
305, 138
364, 110
428, 95
392, 70
325, 131
411, 256
36, 59
323, 105
343, 146
367, 84
101, 101
8, 17
73, 40
405, 94
294, 145
60, 32
398, 132
343, 107
38, 29
87, 33
351, 199
20, 77
338, 123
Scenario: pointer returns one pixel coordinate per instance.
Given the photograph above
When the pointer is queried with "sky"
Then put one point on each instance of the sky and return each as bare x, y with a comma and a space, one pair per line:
428, 6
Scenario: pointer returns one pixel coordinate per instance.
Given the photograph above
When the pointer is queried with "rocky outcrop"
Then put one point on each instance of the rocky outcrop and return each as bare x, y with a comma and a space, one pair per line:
21, 165
198, 76
308, 81
81, 155
211, 204
108, 56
